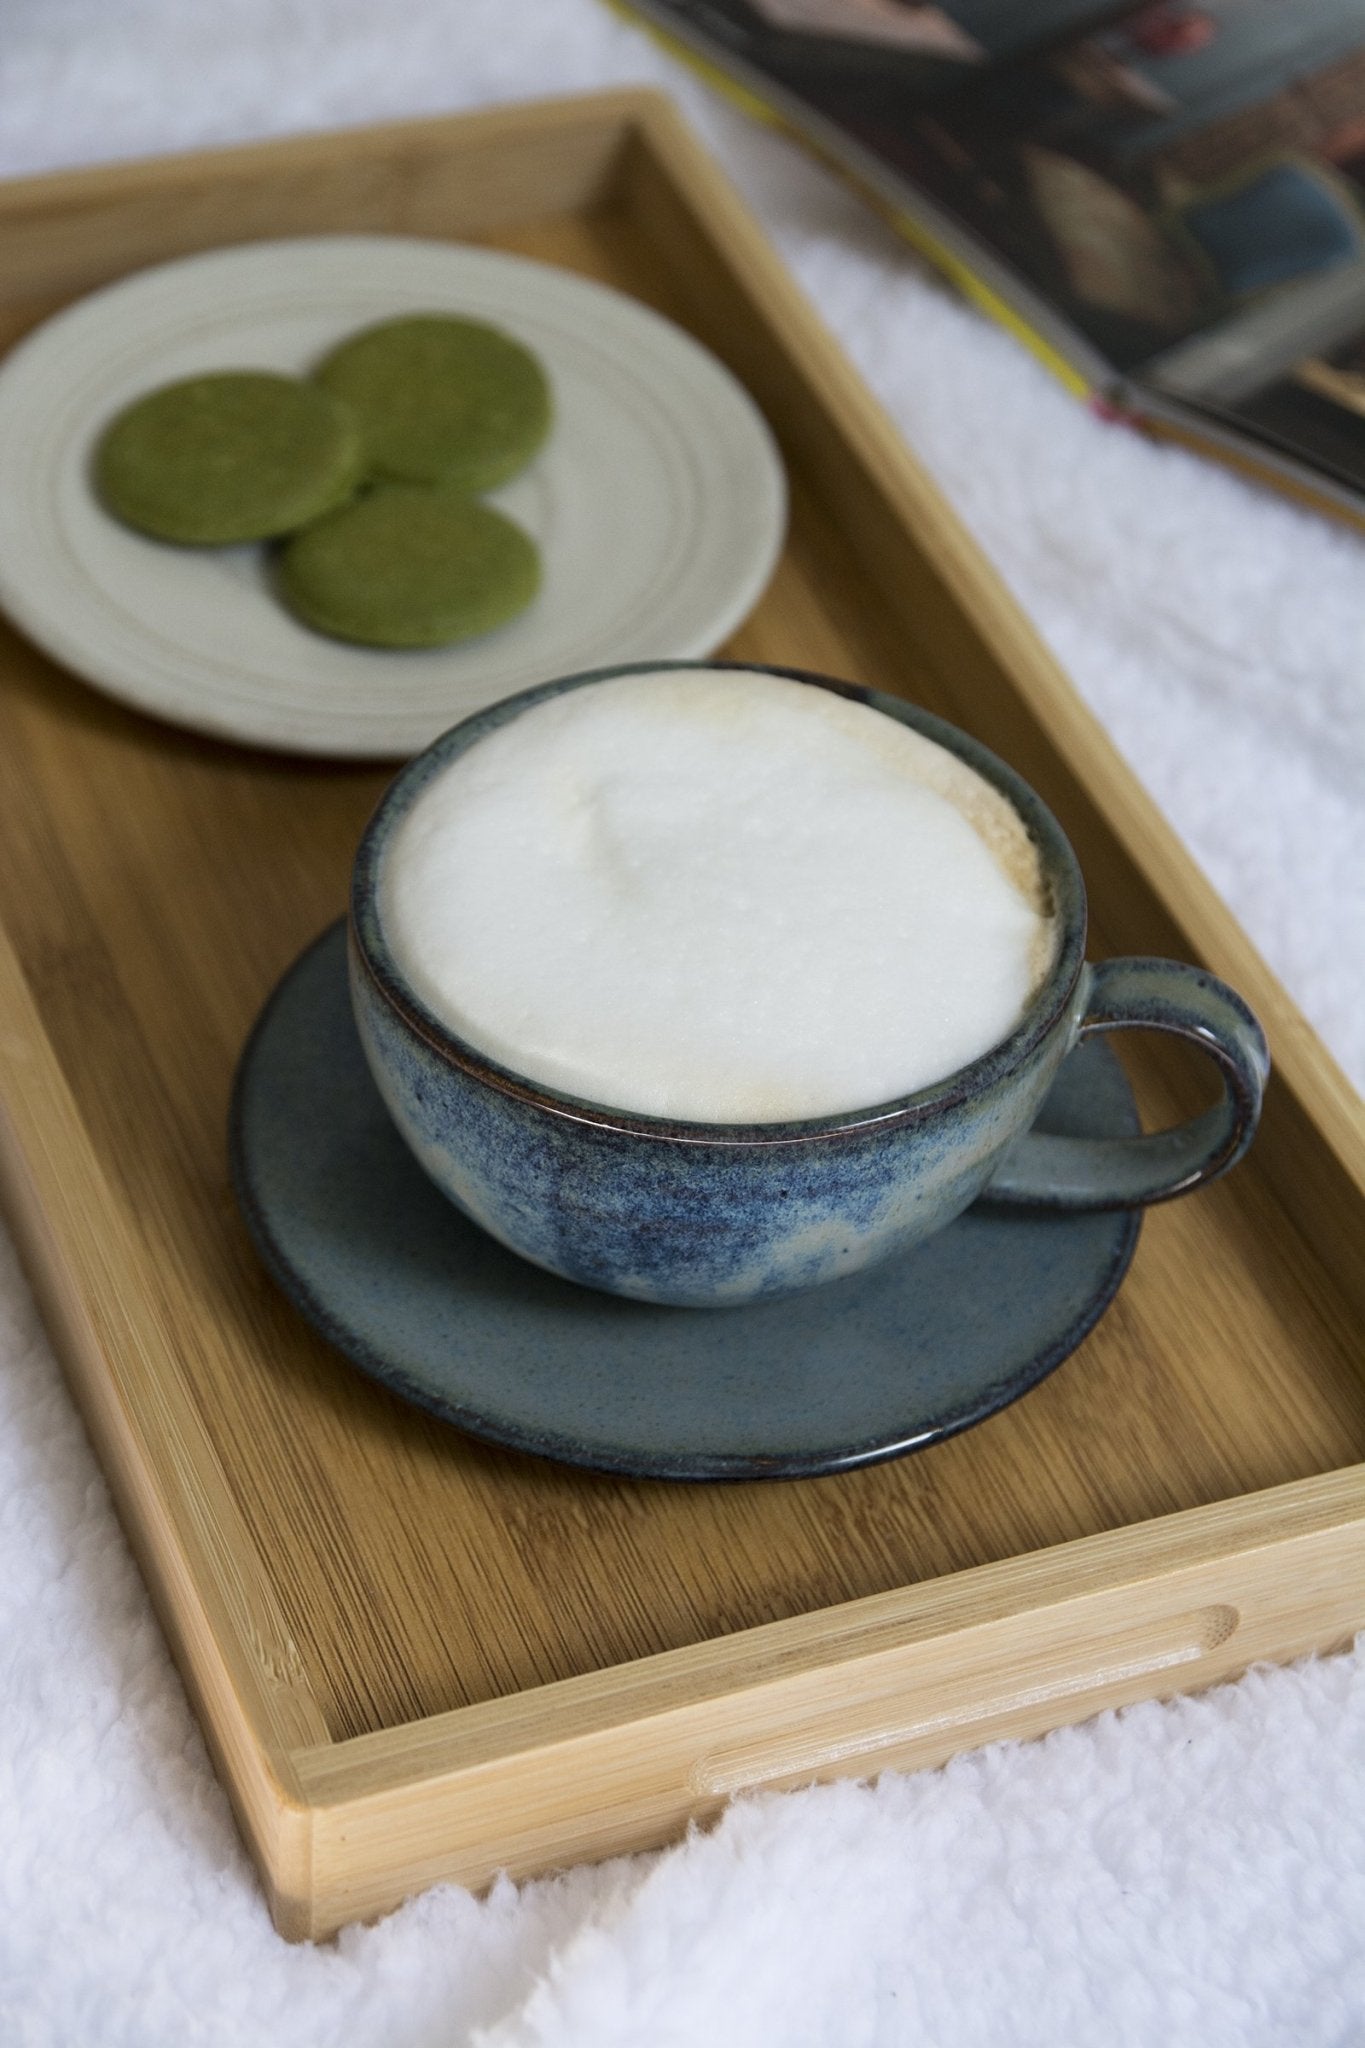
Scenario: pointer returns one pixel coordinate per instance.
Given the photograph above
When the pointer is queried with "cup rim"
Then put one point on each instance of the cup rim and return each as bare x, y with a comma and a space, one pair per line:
370, 948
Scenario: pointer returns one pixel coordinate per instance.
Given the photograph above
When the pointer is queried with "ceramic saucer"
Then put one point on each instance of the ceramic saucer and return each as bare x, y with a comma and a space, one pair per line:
658, 502
423, 1300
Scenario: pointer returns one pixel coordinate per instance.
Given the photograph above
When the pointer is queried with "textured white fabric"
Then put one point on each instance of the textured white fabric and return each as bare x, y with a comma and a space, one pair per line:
1185, 1874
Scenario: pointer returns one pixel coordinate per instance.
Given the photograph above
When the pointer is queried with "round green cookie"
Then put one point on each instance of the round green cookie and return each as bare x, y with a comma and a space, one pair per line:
234, 456
406, 566
441, 400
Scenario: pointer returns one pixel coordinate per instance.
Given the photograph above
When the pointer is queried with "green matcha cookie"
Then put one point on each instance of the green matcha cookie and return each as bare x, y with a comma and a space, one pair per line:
409, 567
234, 456
441, 400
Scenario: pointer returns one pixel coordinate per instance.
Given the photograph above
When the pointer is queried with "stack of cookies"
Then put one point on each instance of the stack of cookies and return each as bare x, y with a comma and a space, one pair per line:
366, 475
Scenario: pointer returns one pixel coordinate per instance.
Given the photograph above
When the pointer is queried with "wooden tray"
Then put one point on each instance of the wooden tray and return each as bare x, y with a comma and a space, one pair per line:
418, 1658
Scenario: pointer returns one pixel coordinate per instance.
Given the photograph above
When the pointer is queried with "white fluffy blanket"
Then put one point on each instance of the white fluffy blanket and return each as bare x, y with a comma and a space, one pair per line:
1184, 1874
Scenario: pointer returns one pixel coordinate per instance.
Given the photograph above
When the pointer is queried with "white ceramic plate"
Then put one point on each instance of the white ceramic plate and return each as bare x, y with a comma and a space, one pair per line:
659, 501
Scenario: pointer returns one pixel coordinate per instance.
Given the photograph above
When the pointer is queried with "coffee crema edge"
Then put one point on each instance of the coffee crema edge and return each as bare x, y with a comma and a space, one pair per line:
1010, 819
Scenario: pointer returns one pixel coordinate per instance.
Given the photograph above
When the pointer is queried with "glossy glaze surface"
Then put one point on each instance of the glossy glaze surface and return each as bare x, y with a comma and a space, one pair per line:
882, 1363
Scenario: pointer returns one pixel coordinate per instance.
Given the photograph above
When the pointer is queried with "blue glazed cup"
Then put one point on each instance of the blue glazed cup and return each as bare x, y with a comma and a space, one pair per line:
716, 1214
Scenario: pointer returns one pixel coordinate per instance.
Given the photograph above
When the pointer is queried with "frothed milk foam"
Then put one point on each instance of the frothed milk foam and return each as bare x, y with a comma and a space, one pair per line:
717, 896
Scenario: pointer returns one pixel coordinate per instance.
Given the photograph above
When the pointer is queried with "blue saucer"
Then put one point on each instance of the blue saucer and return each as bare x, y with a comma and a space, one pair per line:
422, 1299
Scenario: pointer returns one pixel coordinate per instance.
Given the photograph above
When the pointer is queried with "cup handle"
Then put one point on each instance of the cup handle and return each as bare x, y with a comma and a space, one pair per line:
1048, 1172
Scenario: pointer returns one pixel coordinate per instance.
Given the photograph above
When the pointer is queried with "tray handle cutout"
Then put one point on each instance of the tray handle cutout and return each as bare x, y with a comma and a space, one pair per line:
987, 1701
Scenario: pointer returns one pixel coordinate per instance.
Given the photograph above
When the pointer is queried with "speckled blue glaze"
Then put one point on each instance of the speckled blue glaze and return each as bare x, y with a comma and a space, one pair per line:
695, 1214
425, 1302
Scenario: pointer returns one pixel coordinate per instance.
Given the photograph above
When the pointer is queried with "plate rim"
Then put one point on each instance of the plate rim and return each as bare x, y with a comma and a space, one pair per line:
44, 624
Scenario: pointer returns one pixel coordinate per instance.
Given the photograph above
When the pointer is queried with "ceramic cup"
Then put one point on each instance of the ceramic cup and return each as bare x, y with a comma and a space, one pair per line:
716, 1214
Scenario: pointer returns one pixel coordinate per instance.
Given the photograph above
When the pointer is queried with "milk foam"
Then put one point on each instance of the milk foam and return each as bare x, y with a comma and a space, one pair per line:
722, 897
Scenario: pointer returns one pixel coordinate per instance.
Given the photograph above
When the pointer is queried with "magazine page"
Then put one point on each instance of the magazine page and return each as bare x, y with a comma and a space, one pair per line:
1179, 187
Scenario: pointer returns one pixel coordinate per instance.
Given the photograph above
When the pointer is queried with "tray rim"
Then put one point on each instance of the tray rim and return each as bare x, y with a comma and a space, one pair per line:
313, 1809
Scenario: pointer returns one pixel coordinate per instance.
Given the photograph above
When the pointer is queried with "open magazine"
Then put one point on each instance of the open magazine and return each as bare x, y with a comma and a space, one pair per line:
1167, 200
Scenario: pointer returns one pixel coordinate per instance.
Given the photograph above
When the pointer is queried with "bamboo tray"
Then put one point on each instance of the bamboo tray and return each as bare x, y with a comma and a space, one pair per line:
418, 1658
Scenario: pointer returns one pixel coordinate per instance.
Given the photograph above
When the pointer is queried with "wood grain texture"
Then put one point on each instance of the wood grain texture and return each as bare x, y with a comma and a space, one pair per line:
393, 1634
1005, 1650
